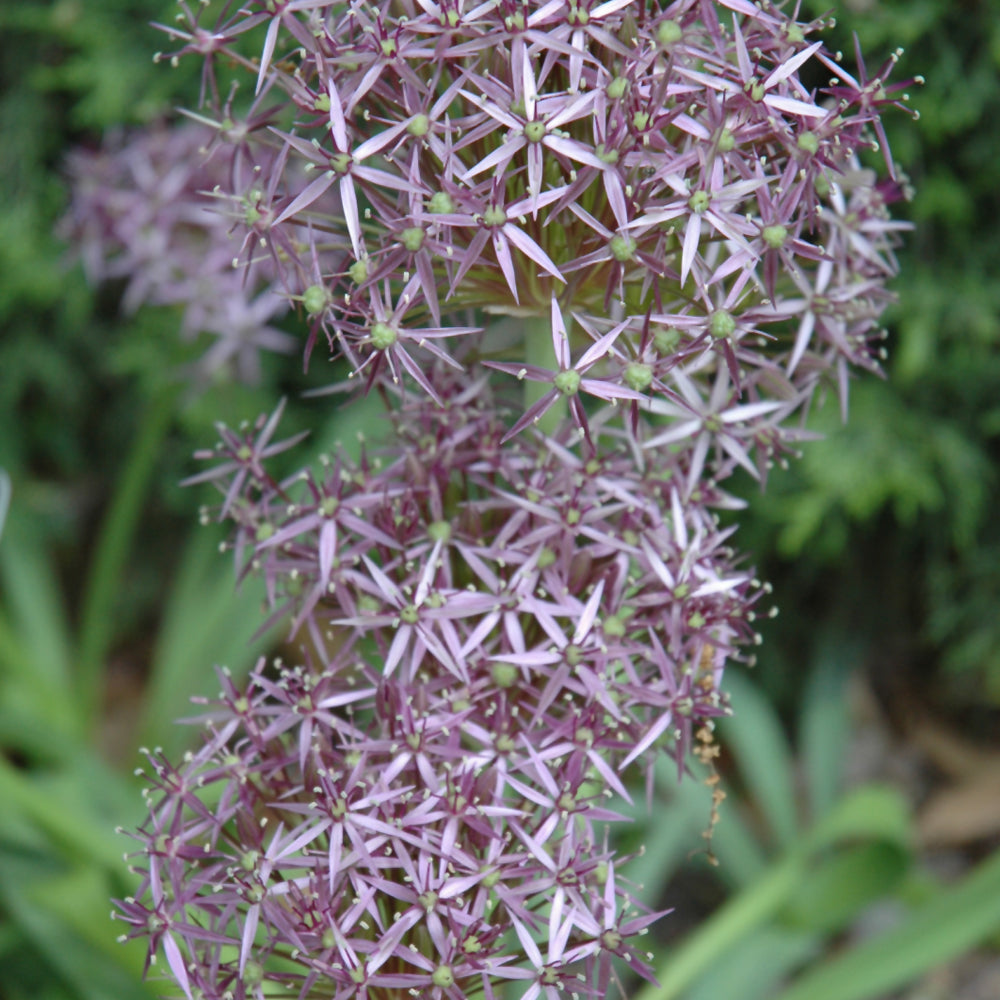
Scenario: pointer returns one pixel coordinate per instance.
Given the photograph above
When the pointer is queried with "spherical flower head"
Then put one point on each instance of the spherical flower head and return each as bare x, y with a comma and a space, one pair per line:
504, 158
499, 634
596, 258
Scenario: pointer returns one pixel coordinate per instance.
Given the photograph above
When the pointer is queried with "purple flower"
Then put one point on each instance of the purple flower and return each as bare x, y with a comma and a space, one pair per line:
143, 211
645, 216
432, 773
571, 378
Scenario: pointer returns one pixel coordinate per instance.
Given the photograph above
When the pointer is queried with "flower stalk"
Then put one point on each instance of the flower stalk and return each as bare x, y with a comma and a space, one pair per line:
540, 353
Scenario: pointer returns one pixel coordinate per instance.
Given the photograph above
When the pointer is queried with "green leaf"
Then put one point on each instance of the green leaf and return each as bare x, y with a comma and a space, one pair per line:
86, 972
846, 883
79, 898
763, 756
741, 916
207, 622
35, 657
65, 821
114, 543
742, 973
955, 921
872, 813
32, 595
824, 725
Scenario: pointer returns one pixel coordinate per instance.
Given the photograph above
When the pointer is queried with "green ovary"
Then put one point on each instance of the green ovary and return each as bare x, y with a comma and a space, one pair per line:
383, 336
494, 216
419, 125
439, 531
638, 376
622, 248
808, 142
504, 674
441, 203
314, 299
668, 33
412, 238
617, 88
606, 155
721, 324
698, 202
567, 382
775, 236
443, 977
534, 131
666, 340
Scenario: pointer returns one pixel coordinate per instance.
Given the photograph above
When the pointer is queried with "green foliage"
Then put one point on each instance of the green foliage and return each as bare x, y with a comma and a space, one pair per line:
68, 71
890, 456
819, 862
60, 860
885, 529
114, 603
97, 55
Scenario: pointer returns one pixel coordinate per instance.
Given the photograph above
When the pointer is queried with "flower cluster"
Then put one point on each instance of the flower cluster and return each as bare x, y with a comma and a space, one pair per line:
499, 632
663, 173
146, 211
594, 257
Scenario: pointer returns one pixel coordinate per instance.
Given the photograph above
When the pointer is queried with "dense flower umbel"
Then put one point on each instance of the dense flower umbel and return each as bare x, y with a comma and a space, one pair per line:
666, 170
644, 220
146, 209
660, 175
499, 632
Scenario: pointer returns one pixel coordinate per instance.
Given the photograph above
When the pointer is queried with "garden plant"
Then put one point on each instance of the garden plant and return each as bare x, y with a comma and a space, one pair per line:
589, 261
581, 273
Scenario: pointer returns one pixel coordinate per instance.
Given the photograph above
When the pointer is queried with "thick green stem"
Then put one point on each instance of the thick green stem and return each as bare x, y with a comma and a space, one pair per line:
539, 351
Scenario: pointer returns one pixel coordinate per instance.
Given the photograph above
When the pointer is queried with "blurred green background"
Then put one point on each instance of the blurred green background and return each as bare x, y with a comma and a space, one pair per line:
856, 848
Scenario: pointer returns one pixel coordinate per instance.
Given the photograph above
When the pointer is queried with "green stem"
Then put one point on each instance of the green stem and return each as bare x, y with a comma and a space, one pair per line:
104, 578
748, 910
539, 351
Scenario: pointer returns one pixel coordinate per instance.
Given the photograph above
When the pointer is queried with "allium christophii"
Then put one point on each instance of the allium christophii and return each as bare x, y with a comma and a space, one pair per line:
594, 258
495, 632
149, 209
